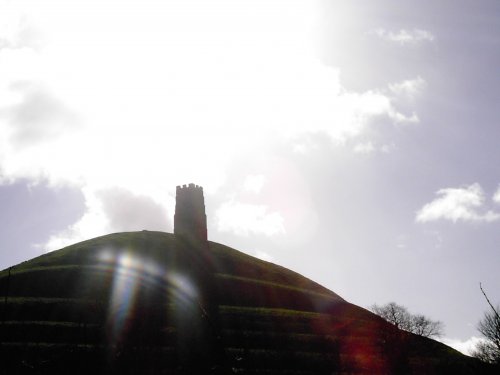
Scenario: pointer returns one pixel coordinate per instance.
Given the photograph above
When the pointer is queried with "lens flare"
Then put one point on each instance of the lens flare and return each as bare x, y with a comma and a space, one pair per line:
182, 289
124, 290
131, 273
133, 276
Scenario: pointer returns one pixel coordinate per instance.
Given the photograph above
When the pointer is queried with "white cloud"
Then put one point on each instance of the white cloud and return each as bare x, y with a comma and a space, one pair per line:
464, 346
170, 100
398, 117
38, 116
128, 212
369, 147
113, 210
457, 204
387, 148
364, 148
496, 196
404, 36
409, 87
92, 224
264, 255
243, 219
254, 183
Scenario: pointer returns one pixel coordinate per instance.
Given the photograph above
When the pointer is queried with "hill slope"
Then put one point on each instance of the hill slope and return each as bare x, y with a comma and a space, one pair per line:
151, 302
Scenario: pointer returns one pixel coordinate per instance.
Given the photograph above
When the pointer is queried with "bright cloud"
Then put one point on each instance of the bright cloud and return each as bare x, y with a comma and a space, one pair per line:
388, 148
243, 219
410, 87
464, 346
496, 196
160, 93
38, 115
404, 36
113, 210
364, 148
369, 147
457, 204
254, 183
264, 255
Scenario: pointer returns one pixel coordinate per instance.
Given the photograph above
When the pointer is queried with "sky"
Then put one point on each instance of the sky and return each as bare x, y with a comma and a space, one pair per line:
354, 142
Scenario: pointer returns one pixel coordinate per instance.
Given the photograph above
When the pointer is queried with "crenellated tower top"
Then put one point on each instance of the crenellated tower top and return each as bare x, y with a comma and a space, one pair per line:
190, 218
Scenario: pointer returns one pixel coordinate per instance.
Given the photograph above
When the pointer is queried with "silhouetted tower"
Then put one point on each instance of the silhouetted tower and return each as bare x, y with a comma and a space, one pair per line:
190, 218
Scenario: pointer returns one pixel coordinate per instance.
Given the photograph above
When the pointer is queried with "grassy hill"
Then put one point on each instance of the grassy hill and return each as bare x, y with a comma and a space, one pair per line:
154, 303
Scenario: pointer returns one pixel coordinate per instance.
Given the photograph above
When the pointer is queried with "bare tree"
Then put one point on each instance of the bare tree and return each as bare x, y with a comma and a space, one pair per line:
395, 314
489, 349
403, 319
423, 326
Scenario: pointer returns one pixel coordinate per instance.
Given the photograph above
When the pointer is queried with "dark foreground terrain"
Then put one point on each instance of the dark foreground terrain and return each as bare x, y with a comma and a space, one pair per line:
153, 303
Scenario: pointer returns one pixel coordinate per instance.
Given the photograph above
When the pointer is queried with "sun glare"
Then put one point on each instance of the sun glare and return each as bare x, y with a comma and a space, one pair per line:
153, 82
146, 95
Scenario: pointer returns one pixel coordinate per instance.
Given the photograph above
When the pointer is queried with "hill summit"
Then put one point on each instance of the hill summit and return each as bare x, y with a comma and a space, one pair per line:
160, 303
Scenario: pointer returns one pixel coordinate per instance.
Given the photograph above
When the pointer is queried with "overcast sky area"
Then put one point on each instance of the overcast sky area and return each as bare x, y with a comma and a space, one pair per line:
354, 142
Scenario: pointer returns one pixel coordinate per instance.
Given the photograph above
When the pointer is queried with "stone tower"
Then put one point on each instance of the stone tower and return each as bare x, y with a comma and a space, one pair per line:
190, 218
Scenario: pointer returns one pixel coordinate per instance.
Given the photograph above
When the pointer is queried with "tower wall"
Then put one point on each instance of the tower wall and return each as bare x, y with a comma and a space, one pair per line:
190, 218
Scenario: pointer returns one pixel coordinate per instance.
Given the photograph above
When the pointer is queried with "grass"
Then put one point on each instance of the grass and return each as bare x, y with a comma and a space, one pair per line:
262, 318
269, 312
274, 285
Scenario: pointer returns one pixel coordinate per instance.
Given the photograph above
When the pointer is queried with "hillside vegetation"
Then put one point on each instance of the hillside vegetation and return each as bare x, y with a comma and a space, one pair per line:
153, 303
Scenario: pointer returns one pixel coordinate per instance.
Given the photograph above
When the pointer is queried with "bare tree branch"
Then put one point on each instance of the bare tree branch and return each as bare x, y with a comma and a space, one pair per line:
489, 303
403, 319
489, 349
